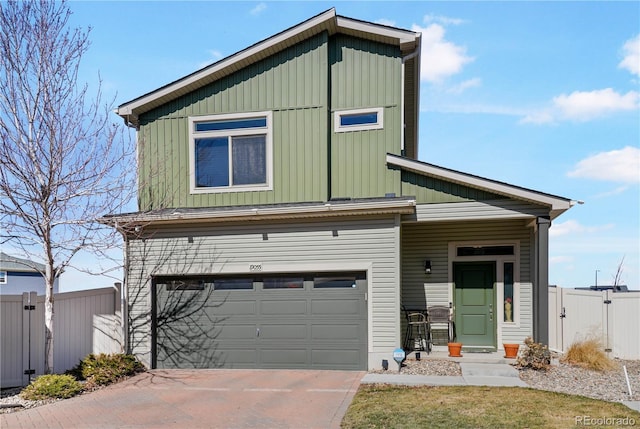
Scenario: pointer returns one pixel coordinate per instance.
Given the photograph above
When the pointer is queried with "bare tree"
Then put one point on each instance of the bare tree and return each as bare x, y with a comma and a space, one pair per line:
617, 278
64, 162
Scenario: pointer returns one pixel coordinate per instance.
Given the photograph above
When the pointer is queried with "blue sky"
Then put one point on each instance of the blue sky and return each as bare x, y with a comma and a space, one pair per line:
543, 95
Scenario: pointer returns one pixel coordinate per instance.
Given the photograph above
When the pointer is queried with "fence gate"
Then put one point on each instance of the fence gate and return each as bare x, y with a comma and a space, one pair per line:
31, 325
85, 322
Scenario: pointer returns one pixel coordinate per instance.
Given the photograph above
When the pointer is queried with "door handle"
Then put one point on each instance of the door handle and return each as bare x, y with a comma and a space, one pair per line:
257, 332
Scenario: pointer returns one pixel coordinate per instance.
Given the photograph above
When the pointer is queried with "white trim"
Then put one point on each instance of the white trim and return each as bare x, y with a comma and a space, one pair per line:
403, 36
338, 128
267, 131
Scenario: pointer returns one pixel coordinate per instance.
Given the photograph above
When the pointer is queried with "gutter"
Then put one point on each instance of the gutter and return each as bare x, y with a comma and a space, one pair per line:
328, 209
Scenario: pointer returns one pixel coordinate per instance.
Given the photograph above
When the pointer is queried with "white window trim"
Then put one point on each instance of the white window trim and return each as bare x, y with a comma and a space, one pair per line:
3, 277
268, 132
346, 128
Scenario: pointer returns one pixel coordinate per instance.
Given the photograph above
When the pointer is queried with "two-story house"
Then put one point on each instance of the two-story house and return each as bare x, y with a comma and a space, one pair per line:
284, 219
18, 275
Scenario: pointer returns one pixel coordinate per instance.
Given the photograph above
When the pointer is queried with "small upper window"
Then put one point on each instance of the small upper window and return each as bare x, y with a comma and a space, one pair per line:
3, 277
231, 152
358, 120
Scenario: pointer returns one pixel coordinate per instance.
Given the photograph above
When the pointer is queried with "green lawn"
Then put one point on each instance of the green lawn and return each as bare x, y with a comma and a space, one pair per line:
386, 406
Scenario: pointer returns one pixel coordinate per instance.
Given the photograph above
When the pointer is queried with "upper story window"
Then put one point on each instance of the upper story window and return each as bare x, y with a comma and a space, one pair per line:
231, 152
358, 120
3, 277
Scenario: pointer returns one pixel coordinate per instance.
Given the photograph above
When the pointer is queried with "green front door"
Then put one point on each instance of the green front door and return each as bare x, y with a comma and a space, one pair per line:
474, 313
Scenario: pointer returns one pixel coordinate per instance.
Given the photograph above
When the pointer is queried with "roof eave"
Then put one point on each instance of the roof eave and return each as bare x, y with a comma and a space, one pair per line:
557, 205
326, 21
248, 214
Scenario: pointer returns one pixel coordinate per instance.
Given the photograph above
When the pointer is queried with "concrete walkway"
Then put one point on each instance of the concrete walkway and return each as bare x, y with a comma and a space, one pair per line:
473, 374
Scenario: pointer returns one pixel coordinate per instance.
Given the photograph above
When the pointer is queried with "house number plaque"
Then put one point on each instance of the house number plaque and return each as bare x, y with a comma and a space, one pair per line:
255, 267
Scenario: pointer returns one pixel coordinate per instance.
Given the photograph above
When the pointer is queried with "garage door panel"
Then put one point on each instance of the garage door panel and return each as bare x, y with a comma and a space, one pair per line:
335, 332
283, 332
279, 307
283, 356
231, 307
333, 358
334, 306
229, 331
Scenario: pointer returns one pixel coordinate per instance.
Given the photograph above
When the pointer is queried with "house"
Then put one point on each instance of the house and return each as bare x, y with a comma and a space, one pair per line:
19, 275
284, 218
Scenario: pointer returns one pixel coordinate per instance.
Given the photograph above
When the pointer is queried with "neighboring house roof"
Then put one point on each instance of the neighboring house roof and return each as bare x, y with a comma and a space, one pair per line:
557, 205
346, 207
14, 264
408, 42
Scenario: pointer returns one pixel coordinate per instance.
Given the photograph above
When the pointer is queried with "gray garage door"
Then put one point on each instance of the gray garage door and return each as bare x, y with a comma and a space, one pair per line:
285, 321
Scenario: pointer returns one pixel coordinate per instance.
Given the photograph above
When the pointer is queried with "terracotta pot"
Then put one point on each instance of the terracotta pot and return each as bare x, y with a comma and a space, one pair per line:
511, 350
454, 349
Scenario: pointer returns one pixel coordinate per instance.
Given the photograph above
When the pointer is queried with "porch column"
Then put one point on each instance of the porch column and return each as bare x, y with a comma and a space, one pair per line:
541, 286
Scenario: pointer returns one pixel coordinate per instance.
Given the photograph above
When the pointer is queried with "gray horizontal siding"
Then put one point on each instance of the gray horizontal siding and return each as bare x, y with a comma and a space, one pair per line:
421, 241
302, 246
479, 210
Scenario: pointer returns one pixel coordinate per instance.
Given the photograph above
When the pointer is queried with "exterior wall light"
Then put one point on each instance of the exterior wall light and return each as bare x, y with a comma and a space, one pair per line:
427, 266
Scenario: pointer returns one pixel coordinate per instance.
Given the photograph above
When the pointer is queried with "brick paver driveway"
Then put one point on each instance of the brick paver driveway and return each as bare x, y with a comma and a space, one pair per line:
204, 399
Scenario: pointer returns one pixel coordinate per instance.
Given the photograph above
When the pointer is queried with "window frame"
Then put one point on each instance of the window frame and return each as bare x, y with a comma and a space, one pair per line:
338, 114
267, 131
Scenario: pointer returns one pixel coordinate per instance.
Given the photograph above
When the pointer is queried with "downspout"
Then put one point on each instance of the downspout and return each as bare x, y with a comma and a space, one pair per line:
402, 106
125, 291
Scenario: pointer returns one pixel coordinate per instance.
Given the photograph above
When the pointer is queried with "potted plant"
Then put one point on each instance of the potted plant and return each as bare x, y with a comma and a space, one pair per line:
511, 350
454, 349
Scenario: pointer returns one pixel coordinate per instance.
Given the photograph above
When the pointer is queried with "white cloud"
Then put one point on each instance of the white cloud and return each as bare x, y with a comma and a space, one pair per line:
440, 58
574, 227
258, 9
463, 86
617, 191
631, 60
387, 22
443, 20
584, 106
615, 166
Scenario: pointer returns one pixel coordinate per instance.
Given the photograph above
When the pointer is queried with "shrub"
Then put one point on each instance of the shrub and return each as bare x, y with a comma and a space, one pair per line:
105, 369
589, 354
52, 386
535, 355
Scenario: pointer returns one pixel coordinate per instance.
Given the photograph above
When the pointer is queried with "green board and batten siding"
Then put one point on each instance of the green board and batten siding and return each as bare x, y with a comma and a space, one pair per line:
293, 84
302, 86
369, 245
432, 190
365, 74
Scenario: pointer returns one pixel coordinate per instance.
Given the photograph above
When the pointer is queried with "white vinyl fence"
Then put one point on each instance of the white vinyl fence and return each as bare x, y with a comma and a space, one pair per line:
612, 317
84, 322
